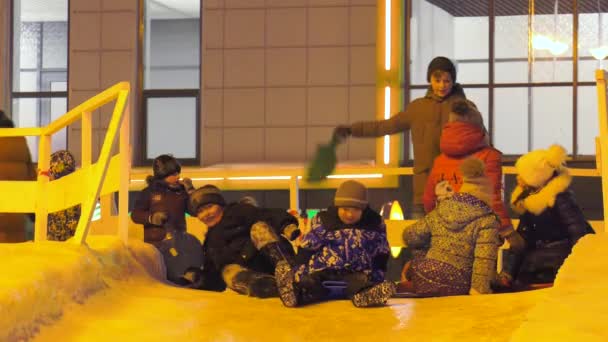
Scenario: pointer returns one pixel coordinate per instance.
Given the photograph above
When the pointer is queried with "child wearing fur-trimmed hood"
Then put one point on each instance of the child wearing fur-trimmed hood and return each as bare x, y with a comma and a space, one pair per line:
550, 220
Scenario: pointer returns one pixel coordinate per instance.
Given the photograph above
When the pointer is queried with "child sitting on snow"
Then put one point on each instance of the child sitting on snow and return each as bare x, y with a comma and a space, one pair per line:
243, 243
460, 238
161, 207
347, 243
550, 221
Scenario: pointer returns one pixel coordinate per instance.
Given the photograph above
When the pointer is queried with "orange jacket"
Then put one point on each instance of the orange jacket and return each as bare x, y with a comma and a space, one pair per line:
458, 141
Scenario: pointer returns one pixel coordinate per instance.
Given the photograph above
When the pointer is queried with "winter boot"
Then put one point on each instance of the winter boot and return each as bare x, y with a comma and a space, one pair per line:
267, 242
248, 282
510, 267
284, 276
194, 278
374, 296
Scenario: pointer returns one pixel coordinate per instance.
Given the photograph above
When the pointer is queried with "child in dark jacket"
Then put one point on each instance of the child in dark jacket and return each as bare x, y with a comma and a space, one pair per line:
243, 243
347, 243
62, 225
551, 222
161, 207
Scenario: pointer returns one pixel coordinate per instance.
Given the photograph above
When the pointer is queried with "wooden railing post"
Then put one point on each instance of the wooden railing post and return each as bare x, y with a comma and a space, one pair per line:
294, 193
44, 157
98, 175
125, 175
602, 111
86, 139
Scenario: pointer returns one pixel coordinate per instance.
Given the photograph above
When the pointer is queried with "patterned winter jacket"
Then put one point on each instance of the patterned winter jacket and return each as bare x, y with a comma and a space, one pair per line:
461, 231
330, 244
62, 225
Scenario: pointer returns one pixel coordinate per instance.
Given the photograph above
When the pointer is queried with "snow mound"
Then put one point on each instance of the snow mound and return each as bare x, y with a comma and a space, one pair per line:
40, 279
575, 309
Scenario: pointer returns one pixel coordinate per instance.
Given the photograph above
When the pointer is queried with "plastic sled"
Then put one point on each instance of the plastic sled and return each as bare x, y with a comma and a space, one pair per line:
406, 295
520, 288
181, 251
323, 163
336, 288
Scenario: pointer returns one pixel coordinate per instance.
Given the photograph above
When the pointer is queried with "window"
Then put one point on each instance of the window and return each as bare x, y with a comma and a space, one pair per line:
531, 95
39, 66
171, 94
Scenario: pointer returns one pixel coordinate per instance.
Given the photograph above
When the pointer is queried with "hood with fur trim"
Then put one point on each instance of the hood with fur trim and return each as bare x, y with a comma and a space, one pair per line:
538, 201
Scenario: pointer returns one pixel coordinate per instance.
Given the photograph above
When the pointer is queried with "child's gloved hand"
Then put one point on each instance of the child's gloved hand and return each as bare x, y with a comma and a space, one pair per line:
291, 232
473, 292
503, 282
187, 183
159, 218
516, 242
341, 133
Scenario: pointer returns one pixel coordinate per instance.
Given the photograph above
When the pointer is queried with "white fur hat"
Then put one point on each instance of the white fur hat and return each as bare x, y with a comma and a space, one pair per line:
537, 167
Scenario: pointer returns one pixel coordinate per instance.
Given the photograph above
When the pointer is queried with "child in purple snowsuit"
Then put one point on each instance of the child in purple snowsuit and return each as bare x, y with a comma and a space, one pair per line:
347, 243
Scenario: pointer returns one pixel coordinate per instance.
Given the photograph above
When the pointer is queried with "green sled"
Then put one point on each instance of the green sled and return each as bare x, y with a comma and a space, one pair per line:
323, 163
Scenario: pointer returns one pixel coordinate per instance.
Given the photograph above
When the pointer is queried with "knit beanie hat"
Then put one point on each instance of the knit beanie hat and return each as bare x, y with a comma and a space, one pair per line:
443, 64
207, 194
465, 111
165, 165
474, 180
62, 164
537, 167
351, 194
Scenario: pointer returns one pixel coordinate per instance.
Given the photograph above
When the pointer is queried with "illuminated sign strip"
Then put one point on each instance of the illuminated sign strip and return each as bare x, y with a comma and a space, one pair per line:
387, 115
387, 67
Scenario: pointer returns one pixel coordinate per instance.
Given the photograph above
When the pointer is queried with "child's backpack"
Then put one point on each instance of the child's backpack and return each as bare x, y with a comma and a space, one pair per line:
182, 253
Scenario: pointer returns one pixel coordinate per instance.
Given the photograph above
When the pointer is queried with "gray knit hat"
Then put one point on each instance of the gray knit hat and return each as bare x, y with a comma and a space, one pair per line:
351, 194
474, 180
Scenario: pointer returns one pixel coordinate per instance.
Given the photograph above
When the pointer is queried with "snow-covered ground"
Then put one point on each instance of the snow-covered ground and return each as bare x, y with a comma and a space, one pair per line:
107, 291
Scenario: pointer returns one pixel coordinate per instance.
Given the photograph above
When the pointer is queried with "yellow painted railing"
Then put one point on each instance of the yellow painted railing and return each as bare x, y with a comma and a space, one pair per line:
293, 178
601, 152
108, 175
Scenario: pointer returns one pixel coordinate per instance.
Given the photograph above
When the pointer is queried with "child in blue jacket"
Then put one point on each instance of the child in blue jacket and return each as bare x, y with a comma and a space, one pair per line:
346, 243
